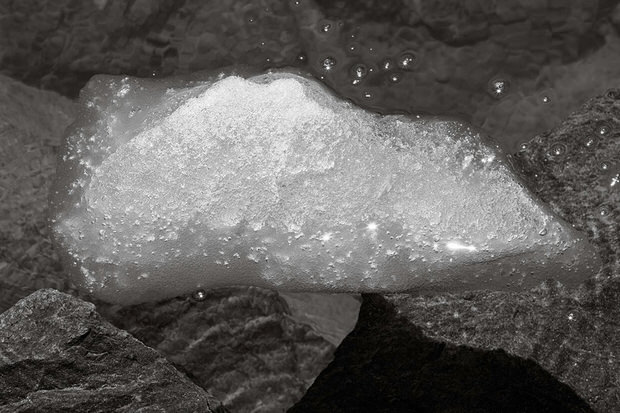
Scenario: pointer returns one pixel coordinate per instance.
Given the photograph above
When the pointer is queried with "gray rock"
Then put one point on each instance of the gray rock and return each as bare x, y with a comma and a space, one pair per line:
240, 344
573, 335
32, 123
58, 354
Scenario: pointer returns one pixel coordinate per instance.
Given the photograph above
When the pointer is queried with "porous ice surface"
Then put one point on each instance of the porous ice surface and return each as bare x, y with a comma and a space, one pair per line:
164, 187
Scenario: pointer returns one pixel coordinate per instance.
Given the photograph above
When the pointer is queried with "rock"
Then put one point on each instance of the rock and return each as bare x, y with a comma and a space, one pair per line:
242, 345
572, 335
32, 124
58, 354
164, 188
387, 365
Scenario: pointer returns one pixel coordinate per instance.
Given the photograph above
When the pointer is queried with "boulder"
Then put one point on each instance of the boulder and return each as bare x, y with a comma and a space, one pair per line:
58, 354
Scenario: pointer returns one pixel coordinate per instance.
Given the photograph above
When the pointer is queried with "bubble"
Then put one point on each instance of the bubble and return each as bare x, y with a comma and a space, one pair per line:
604, 210
523, 147
328, 63
546, 99
571, 317
199, 295
558, 149
359, 71
367, 95
251, 19
386, 64
543, 232
604, 165
590, 142
615, 180
395, 77
352, 48
603, 130
498, 88
407, 61
326, 27
302, 58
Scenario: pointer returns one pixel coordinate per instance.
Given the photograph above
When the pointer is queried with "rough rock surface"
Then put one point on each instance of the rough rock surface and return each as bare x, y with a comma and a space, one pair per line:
565, 50
388, 365
58, 354
32, 123
573, 335
241, 345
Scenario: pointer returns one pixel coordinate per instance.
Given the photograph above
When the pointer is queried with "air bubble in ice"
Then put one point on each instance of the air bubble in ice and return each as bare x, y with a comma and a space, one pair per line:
328, 63
407, 61
498, 87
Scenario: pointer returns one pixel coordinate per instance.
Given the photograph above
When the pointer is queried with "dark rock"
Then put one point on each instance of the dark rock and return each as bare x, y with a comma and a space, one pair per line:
576, 169
387, 365
240, 344
572, 335
58, 354
32, 123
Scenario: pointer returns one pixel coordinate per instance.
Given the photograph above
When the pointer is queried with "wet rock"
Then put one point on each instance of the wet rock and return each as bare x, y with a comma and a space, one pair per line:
58, 354
572, 335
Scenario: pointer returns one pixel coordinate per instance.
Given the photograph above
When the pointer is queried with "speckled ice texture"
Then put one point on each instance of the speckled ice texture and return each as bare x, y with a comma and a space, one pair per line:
164, 187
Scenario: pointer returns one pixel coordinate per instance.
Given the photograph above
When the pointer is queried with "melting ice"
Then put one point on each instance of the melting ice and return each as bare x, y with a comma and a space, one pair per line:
165, 187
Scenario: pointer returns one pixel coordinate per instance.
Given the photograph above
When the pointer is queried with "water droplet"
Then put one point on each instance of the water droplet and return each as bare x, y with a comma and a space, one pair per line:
395, 77
326, 27
407, 61
199, 295
302, 58
352, 48
328, 63
498, 88
543, 232
387, 64
571, 316
558, 149
359, 71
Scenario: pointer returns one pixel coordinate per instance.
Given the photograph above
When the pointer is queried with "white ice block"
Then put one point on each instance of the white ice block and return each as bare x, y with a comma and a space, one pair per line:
164, 187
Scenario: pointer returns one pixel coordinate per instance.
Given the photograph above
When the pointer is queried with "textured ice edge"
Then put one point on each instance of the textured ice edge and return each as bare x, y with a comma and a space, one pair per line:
166, 187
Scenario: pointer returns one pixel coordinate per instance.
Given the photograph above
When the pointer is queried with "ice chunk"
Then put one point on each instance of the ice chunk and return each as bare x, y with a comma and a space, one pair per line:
166, 187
